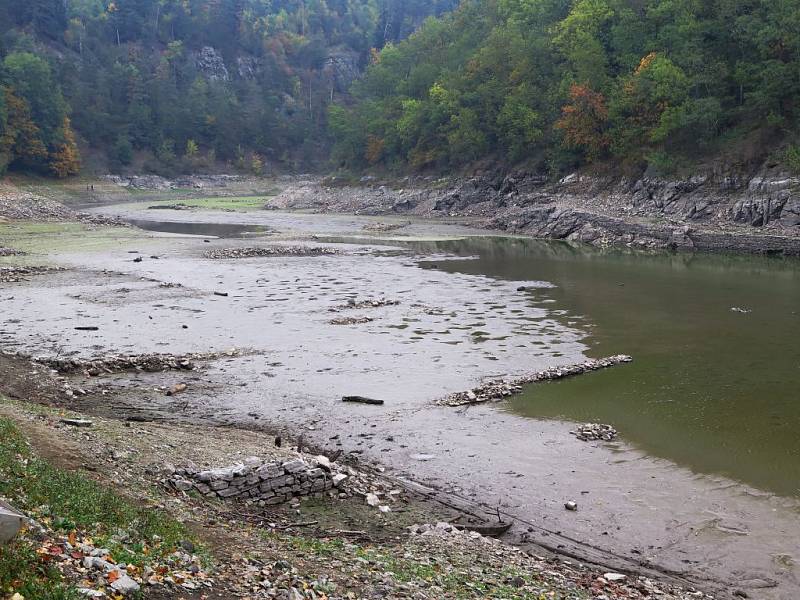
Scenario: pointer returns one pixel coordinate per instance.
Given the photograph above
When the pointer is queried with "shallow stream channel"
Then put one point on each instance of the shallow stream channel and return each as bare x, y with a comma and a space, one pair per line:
703, 481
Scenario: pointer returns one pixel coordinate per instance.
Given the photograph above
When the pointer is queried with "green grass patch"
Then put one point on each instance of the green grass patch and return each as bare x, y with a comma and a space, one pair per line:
450, 576
22, 572
38, 238
237, 203
68, 501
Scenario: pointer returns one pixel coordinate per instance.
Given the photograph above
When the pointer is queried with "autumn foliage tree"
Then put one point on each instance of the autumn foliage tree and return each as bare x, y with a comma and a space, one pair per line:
65, 160
375, 147
584, 122
21, 139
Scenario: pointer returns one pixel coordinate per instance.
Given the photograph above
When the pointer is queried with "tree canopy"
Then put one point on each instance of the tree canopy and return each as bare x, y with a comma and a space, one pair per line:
569, 82
180, 84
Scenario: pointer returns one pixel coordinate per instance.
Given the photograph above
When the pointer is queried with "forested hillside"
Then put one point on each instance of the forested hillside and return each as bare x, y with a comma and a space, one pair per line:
183, 85
564, 83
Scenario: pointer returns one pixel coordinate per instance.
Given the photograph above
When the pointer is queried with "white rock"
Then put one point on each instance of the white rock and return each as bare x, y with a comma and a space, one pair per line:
125, 585
10, 523
613, 577
372, 499
338, 478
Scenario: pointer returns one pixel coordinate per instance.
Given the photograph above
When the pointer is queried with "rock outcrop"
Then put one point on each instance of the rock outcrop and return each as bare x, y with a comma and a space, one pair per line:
722, 210
211, 64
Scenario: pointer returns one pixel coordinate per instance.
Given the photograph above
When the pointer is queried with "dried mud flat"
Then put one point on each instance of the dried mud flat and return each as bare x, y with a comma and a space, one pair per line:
338, 546
434, 322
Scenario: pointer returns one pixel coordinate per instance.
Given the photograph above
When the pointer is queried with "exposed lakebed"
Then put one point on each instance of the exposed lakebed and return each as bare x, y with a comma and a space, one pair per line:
703, 480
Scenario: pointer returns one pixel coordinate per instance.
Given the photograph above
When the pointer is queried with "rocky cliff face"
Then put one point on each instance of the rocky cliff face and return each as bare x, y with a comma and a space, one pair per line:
757, 213
714, 211
211, 64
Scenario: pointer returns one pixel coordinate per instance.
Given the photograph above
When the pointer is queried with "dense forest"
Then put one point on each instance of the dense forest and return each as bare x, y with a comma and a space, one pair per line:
169, 85
191, 85
562, 83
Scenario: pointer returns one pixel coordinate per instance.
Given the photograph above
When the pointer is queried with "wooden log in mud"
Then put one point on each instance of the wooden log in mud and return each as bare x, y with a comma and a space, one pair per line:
499, 389
362, 400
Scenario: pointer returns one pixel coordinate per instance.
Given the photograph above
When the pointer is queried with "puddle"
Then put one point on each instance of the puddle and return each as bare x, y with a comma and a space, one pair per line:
217, 230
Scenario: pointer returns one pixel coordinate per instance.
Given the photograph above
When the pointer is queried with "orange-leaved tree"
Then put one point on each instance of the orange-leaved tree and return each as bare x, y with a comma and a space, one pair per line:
584, 122
21, 140
66, 160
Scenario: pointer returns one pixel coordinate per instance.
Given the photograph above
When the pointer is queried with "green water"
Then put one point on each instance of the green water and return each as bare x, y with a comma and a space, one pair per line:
710, 389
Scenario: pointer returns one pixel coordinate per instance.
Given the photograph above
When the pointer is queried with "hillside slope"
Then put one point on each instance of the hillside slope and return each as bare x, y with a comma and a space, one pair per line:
627, 86
169, 86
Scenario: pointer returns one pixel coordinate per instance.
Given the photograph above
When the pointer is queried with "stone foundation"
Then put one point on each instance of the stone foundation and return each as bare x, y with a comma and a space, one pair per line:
258, 481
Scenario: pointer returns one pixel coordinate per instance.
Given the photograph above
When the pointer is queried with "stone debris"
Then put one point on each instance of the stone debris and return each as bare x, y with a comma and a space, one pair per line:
18, 274
252, 252
92, 219
177, 206
264, 483
18, 204
353, 304
382, 227
500, 389
591, 432
118, 363
351, 320
101, 576
572, 506
434, 542
11, 252
77, 422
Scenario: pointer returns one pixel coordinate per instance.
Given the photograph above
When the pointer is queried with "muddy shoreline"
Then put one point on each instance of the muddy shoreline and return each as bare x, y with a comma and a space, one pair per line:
760, 216
422, 500
279, 388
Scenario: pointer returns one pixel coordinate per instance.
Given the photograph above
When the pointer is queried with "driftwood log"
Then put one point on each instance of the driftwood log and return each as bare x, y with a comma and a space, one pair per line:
362, 400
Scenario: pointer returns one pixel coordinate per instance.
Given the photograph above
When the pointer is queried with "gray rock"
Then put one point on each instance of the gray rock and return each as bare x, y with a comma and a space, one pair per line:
294, 466
211, 64
228, 493
10, 523
125, 585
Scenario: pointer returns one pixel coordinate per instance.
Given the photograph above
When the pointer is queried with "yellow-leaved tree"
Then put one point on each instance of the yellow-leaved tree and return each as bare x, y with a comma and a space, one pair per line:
66, 160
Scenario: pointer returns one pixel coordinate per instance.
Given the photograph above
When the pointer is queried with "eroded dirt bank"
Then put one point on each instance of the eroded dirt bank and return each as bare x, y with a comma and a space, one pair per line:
166, 293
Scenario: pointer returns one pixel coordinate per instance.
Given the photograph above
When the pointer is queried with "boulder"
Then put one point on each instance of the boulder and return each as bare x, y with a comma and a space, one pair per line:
11, 522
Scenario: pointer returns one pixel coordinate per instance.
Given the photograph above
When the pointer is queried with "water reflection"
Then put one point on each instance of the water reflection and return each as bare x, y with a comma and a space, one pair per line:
711, 388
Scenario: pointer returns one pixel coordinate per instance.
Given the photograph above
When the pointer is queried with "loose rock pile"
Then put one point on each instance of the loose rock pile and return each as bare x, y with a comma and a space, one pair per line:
118, 363
251, 252
265, 483
384, 227
18, 274
591, 432
351, 320
17, 204
501, 388
358, 304
102, 577
10, 252
93, 219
